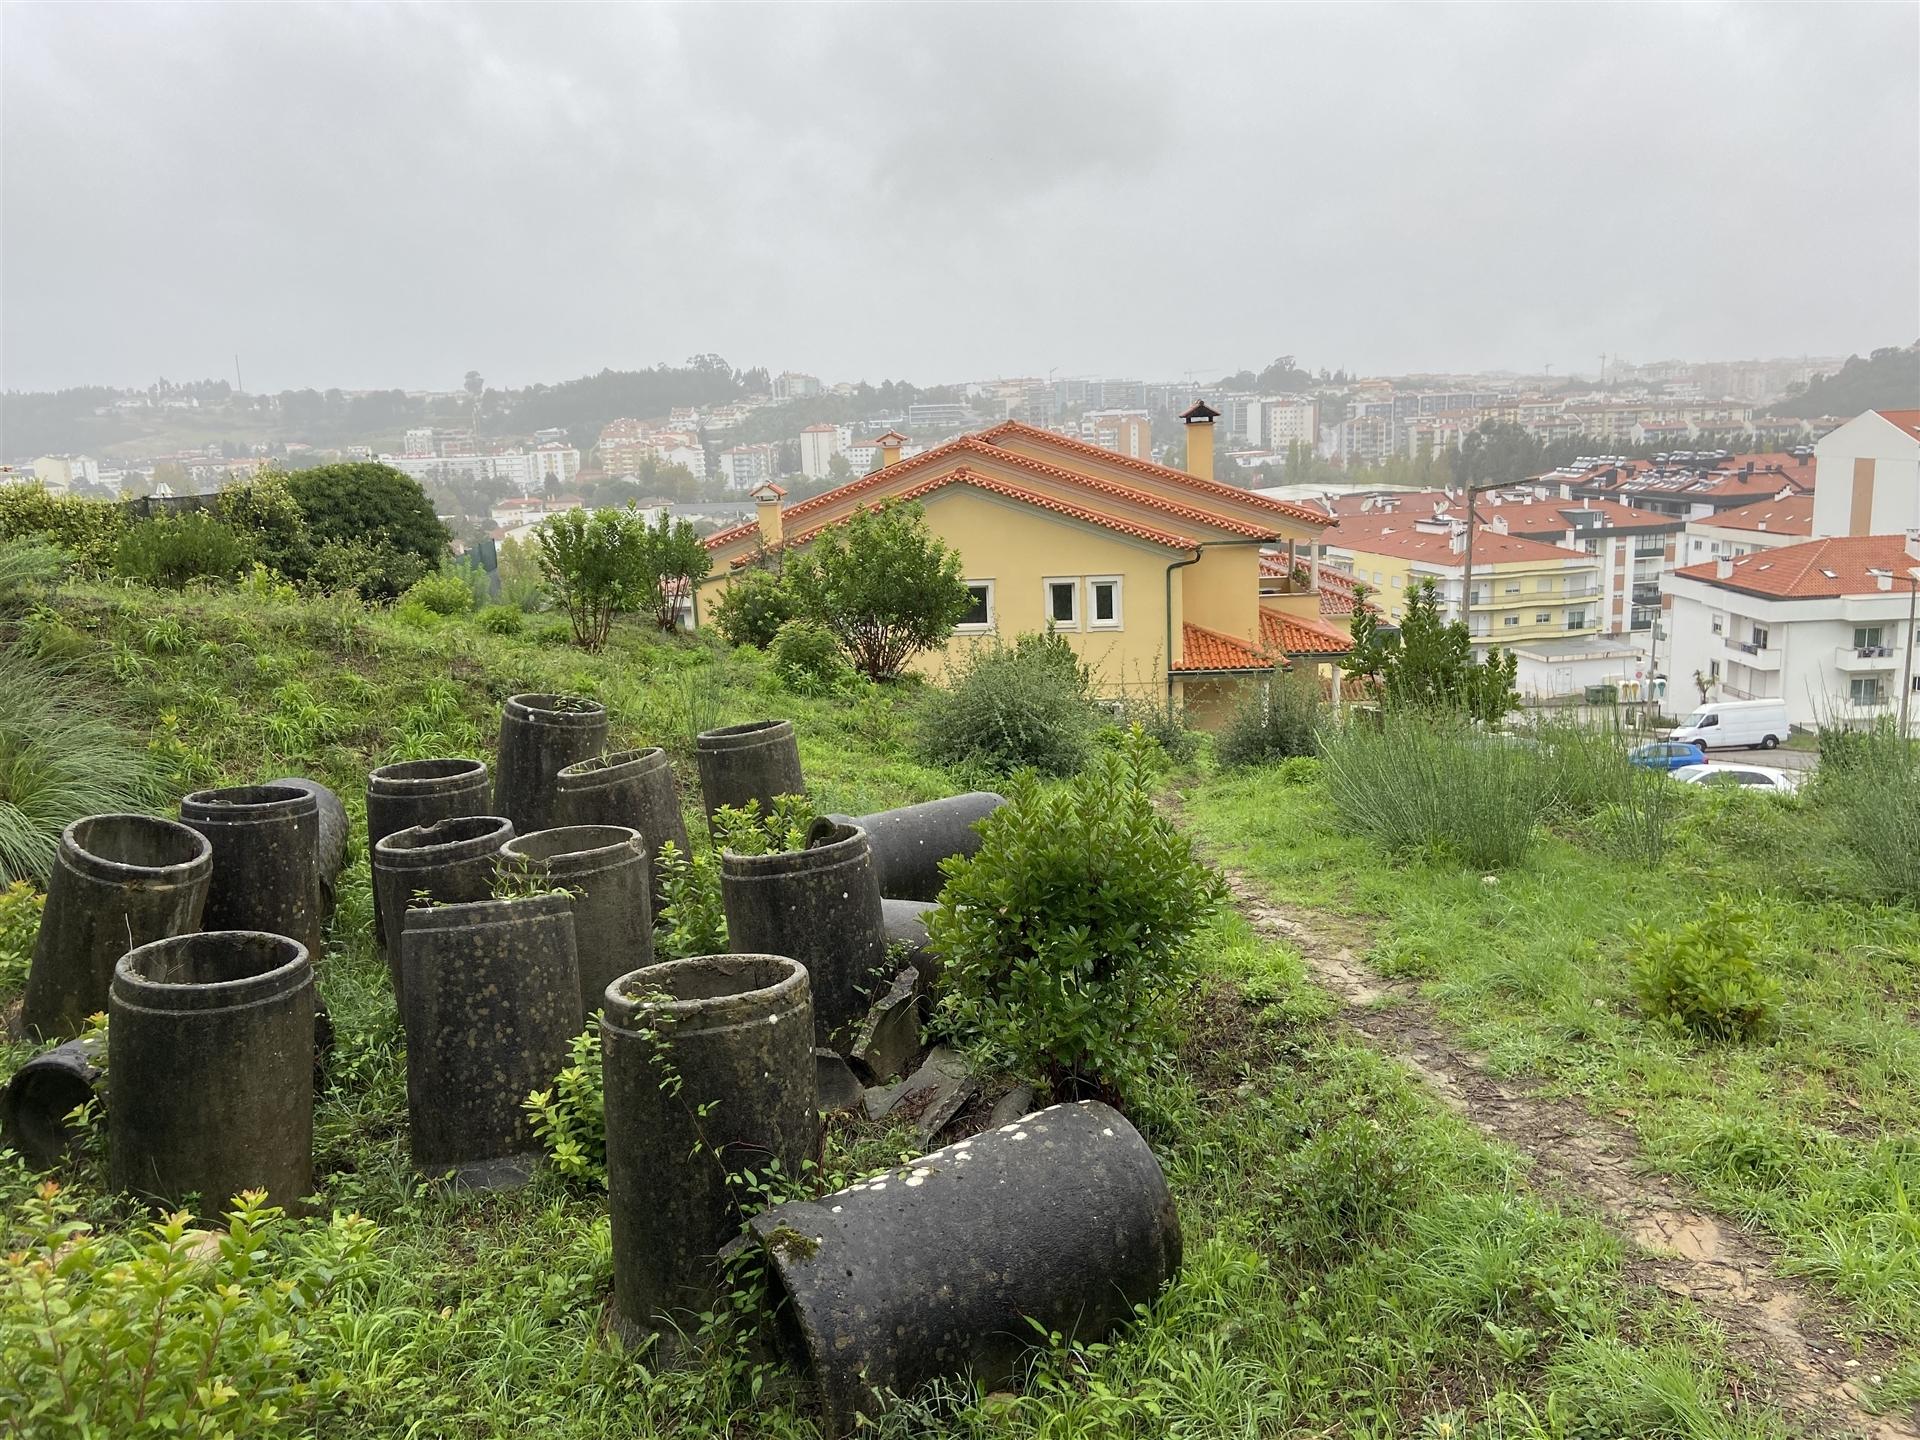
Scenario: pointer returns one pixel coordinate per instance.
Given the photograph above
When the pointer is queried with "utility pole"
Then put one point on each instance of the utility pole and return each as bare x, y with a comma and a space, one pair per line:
1466, 584
1913, 612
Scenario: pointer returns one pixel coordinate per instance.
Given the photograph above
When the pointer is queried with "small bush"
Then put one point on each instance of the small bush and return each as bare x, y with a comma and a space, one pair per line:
1870, 788
1702, 979
570, 1116
743, 830
1300, 770
501, 620
444, 593
368, 568
19, 924
753, 608
1013, 707
88, 530
692, 920
1167, 729
1345, 1186
1275, 722
1066, 936
175, 550
807, 658
27, 564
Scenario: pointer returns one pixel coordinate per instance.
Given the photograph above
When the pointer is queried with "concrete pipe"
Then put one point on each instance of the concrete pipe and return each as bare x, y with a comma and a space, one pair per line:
330, 849
540, 735
491, 1006
822, 907
266, 865
419, 792
906, 922
118, 882
43, 1092
628, 787
736, 1032
758, 761
448, 862
604, 869
947, 1264
909, 843
210, 1043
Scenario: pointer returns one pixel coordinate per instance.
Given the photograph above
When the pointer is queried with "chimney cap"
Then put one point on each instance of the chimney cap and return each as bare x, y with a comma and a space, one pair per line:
768, 490
892, 437
1199, 413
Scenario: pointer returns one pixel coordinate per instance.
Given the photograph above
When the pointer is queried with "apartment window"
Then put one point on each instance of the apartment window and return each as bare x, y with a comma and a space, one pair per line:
1543, 617
1513, 587
1103, 598
1866, 637
1511, 620
1719, 624
1063, 603
979, 613
1864, 690
1545, 586
1396, 582
1759, 637
1713, 669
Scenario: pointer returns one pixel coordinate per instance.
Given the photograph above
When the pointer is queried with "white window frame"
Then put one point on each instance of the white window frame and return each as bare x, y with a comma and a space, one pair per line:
992, 614
1119, 620
1047, 582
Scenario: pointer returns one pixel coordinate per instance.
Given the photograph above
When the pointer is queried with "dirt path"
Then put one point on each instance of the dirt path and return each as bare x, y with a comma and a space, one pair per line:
1775, 1325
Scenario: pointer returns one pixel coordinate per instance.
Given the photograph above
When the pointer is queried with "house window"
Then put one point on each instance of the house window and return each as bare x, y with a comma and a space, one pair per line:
1063, 603
1545, 586
1864, 690
1713, 673
1719, 624
1511, 620
1759, 637
979, 614
1866, 637
1103, 597
1543, 617
1513, 587
1396, 582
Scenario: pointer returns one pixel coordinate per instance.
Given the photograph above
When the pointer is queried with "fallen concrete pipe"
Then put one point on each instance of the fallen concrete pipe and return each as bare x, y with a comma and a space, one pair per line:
757, 761
906, 922
540, 735
628, 787
909, 843
735, 1033
330, 848
946, 1265
118, 882
491, 1004
210, 1039
266, 866
43, 1092
449, 862
603, 868
821, 906
419, 792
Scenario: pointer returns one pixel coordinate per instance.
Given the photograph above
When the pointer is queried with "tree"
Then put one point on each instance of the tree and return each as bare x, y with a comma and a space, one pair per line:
884, 587
838, 470
674, 562
378, 523
1429, 663
594, 562
474, 385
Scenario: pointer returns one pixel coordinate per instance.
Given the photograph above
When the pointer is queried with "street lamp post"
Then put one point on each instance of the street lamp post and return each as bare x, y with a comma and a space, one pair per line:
1913, 612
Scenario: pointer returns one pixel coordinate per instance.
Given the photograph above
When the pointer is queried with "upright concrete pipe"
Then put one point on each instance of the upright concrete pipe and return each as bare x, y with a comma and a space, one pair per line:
955, 1262
266, 867
118, 882
909, 843
449, 862
604, 869
628, 787
540, 735
735, 1033
43, 1092
330, 848
821, 906
758, 761
419, 792
210, 1042
491, 1003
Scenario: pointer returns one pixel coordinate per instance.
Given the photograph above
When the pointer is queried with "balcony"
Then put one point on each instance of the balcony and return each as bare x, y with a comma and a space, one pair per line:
1646, 594
1859, 659
1755, 657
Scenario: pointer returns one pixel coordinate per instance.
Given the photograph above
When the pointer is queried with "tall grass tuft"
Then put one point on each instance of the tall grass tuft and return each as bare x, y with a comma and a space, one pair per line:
1869, 786
1586, 776
1280, 721
1424, 782
27, 564
61, 757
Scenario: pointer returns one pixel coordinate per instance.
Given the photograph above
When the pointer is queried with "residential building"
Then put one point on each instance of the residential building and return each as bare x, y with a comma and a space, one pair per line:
1758, 525
60, 473
1153, 575
938, 415
554, 463
818, 445
790, 385
419, 442
745, 466
1867, 475
1824, 626
1129, 432
1290, 419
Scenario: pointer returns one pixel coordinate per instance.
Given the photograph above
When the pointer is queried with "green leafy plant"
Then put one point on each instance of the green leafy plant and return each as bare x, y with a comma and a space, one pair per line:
1427, 663
1066, 936
372, 527
692, 920
175, 550
88, 530
26, 564
569, 1117
745, 830
19, 924
1010, 707
594, 561
265, 515
752, 608
501, 620
807, 658
1703, 978
1280, 720
444, 593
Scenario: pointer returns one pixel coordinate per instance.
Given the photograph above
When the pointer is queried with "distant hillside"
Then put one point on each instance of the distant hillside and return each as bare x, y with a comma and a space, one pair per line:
1887, 379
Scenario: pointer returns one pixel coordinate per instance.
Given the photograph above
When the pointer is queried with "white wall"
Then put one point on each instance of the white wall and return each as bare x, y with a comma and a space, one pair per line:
1896, 478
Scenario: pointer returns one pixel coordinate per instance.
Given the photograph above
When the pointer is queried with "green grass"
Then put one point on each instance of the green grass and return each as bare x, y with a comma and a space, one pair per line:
1807, 1133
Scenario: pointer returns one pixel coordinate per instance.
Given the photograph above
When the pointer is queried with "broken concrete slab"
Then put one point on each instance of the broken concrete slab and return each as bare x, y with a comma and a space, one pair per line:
839, 1088
1011, 1106
889, 1037
935, 1093
877, 1101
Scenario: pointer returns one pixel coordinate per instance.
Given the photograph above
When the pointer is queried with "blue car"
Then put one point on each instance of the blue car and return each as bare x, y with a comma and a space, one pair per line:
1667, 755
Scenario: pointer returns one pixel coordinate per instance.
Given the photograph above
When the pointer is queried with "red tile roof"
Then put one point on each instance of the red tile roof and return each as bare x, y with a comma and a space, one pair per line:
1204, 649
1907, 420
1535, 516
1791, 516
1290, 635
1818, 569
1339, 592
1395, 535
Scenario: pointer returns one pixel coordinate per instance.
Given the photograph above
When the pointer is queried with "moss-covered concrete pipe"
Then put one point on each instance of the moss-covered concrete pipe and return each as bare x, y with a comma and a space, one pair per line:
266, 860
709, 1073
909, 843
954, 1263
419, 792
43, 1092
330, 849
627, 787
449, 862
540, 735
603, 868
118, 882
757, 761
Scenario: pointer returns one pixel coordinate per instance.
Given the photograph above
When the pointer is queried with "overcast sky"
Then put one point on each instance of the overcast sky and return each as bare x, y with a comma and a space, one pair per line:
392, 195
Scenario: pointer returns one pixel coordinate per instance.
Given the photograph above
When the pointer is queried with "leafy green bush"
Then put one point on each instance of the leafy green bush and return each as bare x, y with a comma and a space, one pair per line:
692, 920
570, 1116
1011, 707
1300, 770
173, 550
744, 830
369, 569
1163, 726
169, 1331
26, 564
270, 522
88, 530
369, 522
1275, 722
19, 924
444, 593
1423, 781
1870, 788
1066, 936
807, 658
753, 608
1703, 978
501, 620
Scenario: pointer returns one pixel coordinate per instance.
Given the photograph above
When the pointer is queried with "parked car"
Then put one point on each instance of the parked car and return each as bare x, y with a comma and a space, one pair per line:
1752, 777
1735, 724
1667, 754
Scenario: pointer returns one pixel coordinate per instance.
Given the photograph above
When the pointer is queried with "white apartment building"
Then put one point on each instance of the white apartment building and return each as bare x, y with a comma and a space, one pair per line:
1825, 626
1288, 418
745, 466
1761, 525
791, 385
818, 445
1867, 475
60, 473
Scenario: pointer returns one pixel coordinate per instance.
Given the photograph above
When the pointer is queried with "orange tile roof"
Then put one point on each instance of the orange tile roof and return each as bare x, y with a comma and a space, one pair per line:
1535, 515
1395, 535
1204, 649
1791, 516
1818, 569
1339, 592
1907, 420
1290, 635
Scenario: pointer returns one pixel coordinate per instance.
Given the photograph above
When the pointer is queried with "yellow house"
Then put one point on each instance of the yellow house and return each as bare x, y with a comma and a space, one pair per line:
1153, 575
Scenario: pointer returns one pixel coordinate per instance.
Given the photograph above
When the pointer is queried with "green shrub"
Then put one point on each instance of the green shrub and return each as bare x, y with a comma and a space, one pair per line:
501, 620
174, 550
1279, 721
371, 526
1165, 727
88, 530
1870, 790
1424, 781
753, 608
26, 564
1011, 707
1344, 1185
168, 1331
444, 593
1300, 770
570, 1116
270, 522
1066, 936
807, 658
19, 924
692, 920
368, 568
744, 830
1703, 979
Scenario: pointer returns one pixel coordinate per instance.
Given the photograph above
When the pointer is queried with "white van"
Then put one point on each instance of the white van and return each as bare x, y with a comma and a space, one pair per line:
1735, 724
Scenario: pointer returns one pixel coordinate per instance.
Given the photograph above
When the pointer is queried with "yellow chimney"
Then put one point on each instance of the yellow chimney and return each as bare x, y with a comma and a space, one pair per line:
1199, 418
766, 510
890, 444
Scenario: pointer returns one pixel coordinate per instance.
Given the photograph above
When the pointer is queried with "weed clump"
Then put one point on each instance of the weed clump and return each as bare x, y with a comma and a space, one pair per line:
1012, 707
1703, 979
1277, 722
569, 1117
